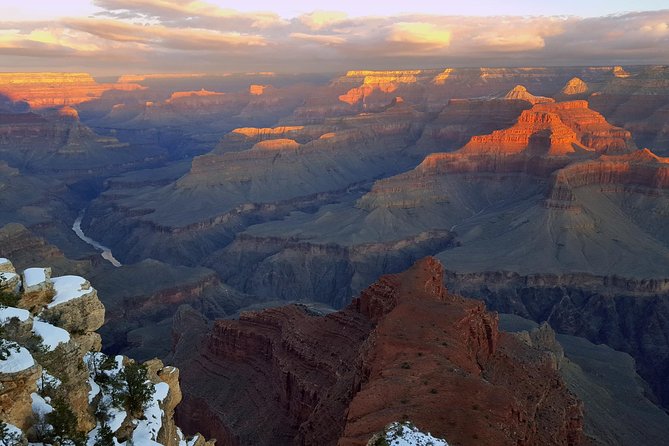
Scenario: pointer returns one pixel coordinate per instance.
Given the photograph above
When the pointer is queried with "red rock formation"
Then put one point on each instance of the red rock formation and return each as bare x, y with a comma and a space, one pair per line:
463, 118
405, 348
55, 89
554, 130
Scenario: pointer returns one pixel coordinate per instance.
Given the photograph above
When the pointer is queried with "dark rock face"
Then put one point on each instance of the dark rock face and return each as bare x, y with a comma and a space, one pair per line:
631, 316
405, 348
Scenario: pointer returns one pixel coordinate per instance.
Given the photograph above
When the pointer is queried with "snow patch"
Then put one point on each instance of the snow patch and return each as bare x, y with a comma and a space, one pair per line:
34, 276
95, 389
406, 434
147, 429
51, 335
8, 313
40, 406
7, 276
17, 361
68, 288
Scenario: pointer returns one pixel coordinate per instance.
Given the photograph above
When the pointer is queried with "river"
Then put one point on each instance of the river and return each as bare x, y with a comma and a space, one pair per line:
106, 252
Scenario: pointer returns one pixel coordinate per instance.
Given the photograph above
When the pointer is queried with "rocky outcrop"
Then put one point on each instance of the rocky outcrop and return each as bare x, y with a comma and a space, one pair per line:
519, 92
638, 103
554, 130
50, 358
463, 118
405, 348
617, 403
16, 386
640, 169
627, 314
575, 86
42, 90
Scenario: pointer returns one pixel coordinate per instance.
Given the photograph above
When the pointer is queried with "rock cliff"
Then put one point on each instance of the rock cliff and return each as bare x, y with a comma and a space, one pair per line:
42, 90
340, 378
52, 371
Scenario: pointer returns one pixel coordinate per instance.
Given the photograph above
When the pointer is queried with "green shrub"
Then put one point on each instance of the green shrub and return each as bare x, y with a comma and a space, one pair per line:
64, 423
104, 437
138, 389
7, 438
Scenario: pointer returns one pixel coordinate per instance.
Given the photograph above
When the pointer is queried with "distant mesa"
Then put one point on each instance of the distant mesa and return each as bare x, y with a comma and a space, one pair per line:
277, 144
619, 71
383, 81
257, 90
190, 94
440, 79
132, 78
575, 86
520, 92
42, 90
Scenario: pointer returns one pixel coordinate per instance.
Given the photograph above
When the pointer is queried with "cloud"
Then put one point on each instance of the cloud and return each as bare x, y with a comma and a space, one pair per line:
188, 13
162, 36
420, 33
322, 19
323, 39
200, 36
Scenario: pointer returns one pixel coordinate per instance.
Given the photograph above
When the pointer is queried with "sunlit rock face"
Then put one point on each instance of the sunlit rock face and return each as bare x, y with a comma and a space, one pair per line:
42, 90
520, 92
575, 86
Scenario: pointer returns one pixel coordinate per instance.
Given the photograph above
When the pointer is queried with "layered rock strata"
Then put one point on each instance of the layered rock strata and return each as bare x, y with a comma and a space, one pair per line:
338, 379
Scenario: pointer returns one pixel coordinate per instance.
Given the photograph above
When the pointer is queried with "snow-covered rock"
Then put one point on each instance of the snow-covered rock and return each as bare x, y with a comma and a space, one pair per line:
40, 406
10, 280
34, 278
51, 335
68, 288
9, 313
406, 434
6, 266
18, 360
65, 312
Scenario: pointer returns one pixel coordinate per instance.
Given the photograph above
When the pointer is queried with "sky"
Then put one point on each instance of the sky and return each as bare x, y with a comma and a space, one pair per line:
216, 36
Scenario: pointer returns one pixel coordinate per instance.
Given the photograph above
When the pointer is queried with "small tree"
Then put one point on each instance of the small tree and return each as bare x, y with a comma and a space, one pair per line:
105, 436
139, 390
6, 347
64, 423
8, 438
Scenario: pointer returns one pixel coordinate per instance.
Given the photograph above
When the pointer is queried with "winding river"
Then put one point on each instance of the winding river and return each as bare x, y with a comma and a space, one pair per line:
106, 252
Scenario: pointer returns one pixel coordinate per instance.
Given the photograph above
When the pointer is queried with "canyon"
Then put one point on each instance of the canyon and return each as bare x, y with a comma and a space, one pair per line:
248, 213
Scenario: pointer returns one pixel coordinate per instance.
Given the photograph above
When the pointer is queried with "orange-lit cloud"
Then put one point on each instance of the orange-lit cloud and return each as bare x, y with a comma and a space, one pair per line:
420, 33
